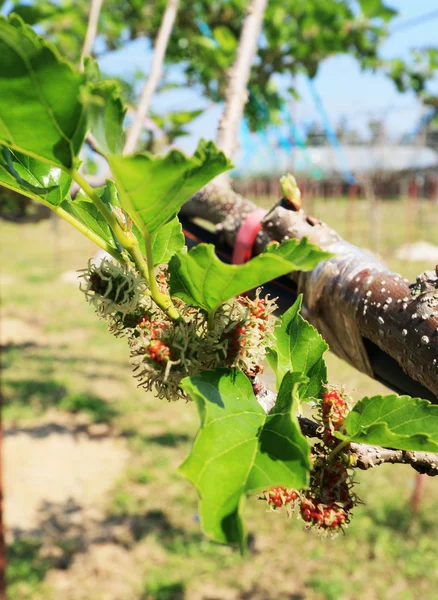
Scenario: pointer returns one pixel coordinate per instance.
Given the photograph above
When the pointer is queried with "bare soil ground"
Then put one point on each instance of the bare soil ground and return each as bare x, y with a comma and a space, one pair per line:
58, 471
55, 461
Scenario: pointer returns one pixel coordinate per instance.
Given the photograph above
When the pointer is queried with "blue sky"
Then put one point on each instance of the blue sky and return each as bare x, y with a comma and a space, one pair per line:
345, 89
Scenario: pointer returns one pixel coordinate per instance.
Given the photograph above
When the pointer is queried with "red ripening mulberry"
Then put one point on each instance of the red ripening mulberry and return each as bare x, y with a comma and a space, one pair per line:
333, 485
145, 322
326, 516
279, 496
159, 352
334, 410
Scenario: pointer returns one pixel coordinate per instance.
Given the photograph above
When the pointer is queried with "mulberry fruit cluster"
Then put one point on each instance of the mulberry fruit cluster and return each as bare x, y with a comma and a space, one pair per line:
333, 410
327, 502
278, 497
111, 288
163, 351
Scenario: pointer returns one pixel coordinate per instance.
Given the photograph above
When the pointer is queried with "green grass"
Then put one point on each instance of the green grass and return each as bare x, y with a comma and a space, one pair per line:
65, 361
26, 569
93, 406
162, 589
330, 588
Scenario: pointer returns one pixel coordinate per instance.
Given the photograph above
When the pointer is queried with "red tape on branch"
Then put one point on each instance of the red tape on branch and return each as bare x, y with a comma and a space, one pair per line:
247, 235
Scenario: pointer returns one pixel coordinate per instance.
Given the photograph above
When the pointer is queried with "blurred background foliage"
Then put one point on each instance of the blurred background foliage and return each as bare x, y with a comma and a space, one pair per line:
297, 36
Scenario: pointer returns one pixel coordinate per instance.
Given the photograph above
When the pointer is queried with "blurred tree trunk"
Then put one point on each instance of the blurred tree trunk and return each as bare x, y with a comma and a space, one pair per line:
154, 76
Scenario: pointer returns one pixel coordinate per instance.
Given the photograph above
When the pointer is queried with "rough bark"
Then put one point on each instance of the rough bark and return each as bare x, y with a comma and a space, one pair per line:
154, 76
219, 205
353, 297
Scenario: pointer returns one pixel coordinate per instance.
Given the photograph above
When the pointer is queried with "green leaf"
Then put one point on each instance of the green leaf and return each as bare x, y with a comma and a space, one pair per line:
299, 347
168, 240
239, 449
54, 184
9, 165
106, 113
33, 178
34, 14
177, 119
399, 422
225, 38
86, 213
377, 9
40, 111
109, 194
152, 189
201, 279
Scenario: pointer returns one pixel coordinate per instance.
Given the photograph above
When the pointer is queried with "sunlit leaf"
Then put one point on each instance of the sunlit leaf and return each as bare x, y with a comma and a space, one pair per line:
40, 111
298, 347
152, 189
201, 279
86, 213
166, 241
105, 110
399, 422
225, 38
34, 179
377, 9
239, 449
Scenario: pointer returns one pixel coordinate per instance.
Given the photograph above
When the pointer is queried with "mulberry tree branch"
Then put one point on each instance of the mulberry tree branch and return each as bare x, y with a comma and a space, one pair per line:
370, 316
366, 457
360, 306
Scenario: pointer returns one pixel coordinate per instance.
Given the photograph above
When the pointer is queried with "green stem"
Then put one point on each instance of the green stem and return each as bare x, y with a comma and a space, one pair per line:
129, 242
338, 449
140, 262
162, 300
87, 232
210, 319
63, 214
126, 239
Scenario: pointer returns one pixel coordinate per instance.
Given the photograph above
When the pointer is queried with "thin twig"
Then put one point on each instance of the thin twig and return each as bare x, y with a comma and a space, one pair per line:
364, 456
91, 141
153, 78
90, 36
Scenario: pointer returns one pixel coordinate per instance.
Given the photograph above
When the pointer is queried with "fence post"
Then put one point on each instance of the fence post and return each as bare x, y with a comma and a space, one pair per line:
351, 205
